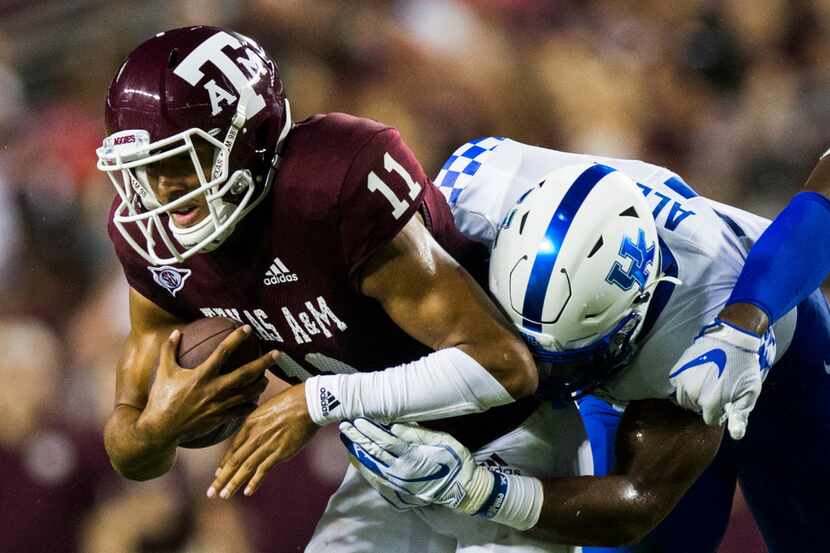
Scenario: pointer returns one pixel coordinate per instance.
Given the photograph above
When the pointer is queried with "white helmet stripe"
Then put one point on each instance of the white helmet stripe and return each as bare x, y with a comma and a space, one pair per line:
548, 251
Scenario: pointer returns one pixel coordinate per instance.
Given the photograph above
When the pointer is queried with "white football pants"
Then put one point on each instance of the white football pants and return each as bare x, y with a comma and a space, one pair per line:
551, 442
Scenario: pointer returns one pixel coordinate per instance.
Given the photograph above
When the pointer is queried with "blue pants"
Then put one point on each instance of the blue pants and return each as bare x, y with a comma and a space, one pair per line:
781, 463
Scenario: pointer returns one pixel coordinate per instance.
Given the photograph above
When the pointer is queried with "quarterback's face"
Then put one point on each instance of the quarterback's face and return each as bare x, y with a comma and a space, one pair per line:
174, 177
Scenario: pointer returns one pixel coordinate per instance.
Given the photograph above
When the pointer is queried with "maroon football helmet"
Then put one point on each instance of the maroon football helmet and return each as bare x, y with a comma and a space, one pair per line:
202, 82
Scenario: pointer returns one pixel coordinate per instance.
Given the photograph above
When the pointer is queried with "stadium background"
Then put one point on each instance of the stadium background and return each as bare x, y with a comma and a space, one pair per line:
731, 94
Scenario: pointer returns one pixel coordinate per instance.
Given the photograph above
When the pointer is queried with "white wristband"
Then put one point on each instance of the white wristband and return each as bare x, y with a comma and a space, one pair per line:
514, 501
445, 383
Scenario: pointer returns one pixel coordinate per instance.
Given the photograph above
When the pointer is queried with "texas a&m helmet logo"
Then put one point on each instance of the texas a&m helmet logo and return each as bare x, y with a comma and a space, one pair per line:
170, 278
212, 51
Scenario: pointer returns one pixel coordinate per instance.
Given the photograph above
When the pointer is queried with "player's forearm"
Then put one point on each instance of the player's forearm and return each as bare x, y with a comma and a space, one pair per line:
661, 451
446, 383
600, 511
132, 450
490, 340
434, 300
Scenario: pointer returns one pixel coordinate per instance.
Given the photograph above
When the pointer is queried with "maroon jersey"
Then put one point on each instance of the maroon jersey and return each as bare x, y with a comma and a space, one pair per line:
345, 188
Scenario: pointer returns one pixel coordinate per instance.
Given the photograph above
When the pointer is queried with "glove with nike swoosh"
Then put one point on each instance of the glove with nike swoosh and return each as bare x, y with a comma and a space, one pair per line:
720, 375
436, 468
411, 467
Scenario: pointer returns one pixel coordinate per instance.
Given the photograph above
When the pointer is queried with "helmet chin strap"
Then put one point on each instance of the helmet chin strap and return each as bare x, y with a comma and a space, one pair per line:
286, 127
664, 278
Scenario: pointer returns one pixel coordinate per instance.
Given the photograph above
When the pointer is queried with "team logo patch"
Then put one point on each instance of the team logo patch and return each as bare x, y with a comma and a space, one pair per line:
212, 51
170, 278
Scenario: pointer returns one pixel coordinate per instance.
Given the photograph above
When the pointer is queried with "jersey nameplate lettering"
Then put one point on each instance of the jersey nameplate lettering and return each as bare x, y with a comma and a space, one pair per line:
316, 319
676, 214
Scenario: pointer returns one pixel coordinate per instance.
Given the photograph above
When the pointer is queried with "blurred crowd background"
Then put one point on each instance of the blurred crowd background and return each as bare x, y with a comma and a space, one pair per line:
731, 94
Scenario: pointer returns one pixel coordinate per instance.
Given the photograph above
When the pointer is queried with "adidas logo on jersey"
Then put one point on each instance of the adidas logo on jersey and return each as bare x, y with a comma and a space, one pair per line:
494, 463
278, 273
328, 402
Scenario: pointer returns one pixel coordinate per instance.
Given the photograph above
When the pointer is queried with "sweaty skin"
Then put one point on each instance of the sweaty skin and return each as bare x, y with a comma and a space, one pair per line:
403, 277
661, 451
142, 432
434, 300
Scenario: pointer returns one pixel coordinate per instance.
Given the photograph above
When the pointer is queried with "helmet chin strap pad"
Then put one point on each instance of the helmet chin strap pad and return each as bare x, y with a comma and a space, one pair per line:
190, 236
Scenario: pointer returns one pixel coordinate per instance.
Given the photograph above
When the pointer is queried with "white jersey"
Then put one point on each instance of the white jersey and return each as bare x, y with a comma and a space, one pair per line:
704, 244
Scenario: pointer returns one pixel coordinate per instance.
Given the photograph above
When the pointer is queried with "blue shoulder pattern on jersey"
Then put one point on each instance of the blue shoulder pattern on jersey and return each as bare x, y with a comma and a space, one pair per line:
679, 185
463, 164
662, 292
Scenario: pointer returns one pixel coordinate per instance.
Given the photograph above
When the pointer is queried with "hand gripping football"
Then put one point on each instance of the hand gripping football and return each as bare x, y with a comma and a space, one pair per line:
199, 339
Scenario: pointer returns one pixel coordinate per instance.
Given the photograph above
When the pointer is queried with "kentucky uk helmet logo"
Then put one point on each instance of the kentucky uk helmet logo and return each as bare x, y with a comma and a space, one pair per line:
170, 278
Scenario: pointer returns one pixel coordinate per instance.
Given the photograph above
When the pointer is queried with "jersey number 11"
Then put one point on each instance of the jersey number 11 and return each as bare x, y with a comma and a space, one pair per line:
375, 184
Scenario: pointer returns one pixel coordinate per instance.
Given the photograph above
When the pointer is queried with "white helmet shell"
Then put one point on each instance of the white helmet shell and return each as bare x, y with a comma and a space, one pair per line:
573, 263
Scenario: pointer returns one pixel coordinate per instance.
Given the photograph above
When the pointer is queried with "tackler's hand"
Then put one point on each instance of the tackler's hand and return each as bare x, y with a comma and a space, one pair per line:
412, 466
720, 375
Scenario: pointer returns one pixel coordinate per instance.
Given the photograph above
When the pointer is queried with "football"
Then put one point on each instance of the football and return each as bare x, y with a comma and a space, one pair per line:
199, 339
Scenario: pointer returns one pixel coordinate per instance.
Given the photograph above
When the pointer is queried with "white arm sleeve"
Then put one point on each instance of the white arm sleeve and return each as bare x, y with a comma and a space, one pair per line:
445, 383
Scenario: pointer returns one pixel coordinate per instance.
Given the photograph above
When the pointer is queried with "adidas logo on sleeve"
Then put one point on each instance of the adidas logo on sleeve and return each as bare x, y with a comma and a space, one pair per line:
328, 402
278, 273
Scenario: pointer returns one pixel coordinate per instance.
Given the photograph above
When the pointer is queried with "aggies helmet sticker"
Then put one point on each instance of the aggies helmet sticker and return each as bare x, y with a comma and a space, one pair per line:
212, 50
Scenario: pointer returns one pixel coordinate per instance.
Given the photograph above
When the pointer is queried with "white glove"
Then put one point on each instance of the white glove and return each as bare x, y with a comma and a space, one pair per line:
720, 375
421, 466
411, 466
369, 468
